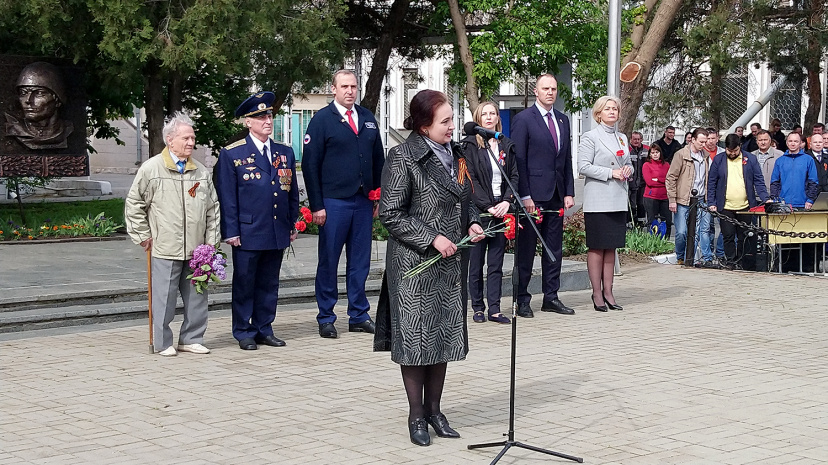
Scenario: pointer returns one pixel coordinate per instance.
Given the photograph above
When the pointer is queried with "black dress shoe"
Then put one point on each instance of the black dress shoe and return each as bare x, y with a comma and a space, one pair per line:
612, 306
441, 426
272, 341
555, 305
418, 430
524, 310
328, 330
602, 308
248, 343
366, 326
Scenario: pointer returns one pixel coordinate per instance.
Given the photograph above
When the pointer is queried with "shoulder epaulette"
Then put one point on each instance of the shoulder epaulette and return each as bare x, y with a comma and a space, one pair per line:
238, 143
280, 143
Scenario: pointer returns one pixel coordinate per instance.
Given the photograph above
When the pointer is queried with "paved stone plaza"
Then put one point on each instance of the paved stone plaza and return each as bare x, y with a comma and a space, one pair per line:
702, 367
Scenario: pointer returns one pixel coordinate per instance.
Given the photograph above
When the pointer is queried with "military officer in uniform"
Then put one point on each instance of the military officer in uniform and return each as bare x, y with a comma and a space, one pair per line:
259, 201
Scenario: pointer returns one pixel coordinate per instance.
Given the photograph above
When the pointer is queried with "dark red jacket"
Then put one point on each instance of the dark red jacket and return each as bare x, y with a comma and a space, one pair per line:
655, 173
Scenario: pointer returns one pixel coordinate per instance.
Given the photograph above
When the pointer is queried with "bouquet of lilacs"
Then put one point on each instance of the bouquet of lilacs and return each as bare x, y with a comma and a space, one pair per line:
207, 265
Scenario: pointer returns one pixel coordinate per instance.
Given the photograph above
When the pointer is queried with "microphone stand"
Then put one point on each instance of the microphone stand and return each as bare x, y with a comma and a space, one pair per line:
510, 442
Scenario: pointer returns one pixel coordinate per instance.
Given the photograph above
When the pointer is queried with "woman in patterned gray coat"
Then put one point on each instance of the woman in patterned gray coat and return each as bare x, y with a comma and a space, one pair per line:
426, 207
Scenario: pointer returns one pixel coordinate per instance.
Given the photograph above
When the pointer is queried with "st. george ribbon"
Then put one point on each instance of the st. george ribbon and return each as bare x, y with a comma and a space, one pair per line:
472, 128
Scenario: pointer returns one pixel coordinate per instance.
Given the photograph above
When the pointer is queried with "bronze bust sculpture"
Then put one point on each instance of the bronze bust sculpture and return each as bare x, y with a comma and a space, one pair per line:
41, 94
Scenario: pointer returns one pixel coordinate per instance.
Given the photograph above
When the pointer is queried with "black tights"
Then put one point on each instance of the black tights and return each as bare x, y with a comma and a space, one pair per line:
424, 388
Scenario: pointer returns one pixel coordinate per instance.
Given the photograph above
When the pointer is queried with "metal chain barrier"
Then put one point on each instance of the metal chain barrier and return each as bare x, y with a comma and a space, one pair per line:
756, 229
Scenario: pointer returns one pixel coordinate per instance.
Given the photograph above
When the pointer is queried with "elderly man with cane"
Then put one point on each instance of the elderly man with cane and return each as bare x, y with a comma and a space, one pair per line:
171, 209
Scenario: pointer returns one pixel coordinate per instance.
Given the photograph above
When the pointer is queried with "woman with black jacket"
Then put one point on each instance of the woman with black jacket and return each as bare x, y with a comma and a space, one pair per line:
491, 194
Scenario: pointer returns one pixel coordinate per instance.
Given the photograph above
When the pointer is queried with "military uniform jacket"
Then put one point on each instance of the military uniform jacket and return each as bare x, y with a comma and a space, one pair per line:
335, 161
259, 203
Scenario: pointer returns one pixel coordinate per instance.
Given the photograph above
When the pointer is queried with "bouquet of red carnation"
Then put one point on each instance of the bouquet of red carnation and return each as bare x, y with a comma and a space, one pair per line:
464, 243
511, 226
305, 217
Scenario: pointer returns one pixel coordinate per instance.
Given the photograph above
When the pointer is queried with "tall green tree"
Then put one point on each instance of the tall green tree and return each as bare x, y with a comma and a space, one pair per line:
163, 54
509, 39
793, 39
383, 27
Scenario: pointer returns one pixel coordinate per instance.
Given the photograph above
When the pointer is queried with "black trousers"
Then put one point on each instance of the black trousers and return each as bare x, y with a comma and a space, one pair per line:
659, 209
489, 250
551, 228
733, 236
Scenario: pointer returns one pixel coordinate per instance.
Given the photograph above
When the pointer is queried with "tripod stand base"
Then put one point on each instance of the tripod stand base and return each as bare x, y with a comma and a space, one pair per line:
509, 444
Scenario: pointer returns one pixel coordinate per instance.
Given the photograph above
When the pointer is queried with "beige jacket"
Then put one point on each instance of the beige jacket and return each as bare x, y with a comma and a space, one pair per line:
767, 167
679, 181
179, 211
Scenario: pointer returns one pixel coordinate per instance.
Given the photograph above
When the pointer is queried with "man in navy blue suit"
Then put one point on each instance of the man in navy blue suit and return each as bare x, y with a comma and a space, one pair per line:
259, 202
545, 182
342, 162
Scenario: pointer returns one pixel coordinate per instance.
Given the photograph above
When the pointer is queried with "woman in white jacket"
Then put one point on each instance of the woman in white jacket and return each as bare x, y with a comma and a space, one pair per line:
604, 159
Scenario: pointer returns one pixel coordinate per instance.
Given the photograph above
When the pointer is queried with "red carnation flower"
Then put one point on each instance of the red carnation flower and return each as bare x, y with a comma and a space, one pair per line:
620, 153
306, 214
374, 194
300, 226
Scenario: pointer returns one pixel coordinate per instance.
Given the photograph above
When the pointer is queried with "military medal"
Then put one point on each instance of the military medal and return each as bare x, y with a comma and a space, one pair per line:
258, 175
246, 176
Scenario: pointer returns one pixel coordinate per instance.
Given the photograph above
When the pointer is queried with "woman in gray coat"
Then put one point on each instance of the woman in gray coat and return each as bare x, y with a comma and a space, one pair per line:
426, 207
604, 159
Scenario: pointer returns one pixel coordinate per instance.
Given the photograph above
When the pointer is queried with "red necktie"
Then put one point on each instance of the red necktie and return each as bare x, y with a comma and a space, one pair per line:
351, 121
552, 129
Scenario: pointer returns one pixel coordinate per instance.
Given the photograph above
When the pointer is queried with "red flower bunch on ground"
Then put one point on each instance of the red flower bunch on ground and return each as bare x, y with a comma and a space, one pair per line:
375, 194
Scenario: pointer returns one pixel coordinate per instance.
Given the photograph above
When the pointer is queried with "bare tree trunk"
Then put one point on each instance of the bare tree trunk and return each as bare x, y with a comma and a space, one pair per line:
394, 24
175, 90
466, 58
716, 80
19, 200
638, 30
717, 74
281, 98
812, 65
154, 106
632, 93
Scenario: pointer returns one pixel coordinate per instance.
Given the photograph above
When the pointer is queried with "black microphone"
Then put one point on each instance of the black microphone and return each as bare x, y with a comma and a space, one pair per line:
472, 128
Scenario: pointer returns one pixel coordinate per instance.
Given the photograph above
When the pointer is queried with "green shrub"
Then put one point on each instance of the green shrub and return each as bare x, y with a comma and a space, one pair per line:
574, 235
643, 242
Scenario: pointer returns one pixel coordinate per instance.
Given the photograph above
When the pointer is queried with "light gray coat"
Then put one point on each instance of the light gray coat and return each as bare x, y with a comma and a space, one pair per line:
597, 157
420, 200
767, 167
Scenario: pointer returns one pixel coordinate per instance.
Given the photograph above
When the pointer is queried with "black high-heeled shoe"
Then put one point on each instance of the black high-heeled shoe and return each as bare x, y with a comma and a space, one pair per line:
612, 306
602, 308
441, 426
418, 430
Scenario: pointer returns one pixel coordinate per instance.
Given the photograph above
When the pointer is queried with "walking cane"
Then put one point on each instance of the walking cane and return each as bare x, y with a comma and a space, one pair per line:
149, 298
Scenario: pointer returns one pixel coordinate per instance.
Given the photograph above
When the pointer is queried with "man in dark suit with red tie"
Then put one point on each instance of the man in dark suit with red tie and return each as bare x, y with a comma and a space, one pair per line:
545, 182
342, 162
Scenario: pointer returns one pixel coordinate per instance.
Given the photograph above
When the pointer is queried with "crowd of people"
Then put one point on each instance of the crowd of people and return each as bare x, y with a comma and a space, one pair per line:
794, 175
441, 200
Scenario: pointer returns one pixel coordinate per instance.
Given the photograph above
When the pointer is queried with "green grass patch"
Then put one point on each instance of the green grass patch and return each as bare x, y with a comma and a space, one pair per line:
641, 241
58, 213
98, 218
